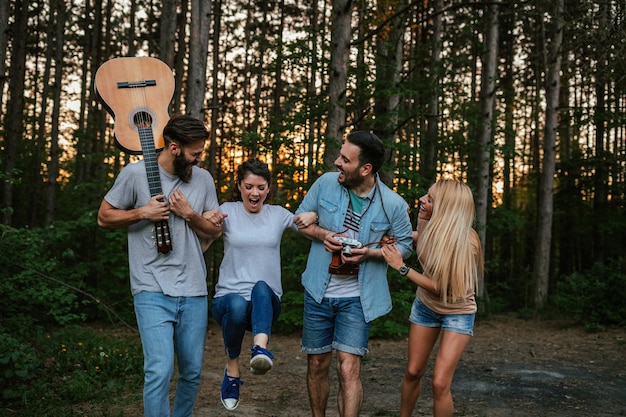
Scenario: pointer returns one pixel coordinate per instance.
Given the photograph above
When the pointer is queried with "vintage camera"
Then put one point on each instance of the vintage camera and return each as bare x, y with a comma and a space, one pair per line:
348, 244
337, 266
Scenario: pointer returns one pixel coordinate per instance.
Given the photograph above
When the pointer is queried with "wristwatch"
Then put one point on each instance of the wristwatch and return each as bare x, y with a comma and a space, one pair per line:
404, 269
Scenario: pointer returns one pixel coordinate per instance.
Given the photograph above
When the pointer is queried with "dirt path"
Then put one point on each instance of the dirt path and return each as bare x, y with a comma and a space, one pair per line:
511, 368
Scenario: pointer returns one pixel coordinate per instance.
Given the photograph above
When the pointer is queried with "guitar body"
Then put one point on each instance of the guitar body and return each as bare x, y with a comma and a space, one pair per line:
132, 101
137, 93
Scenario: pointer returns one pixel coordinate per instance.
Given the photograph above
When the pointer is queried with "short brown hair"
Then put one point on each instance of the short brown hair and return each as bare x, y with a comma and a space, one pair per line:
184, 129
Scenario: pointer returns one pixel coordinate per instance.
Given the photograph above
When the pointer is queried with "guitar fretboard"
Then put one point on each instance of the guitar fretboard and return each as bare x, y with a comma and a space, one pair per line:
149, 156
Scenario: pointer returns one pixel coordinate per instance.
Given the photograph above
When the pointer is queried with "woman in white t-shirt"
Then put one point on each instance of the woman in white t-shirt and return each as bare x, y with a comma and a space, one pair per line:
247, 294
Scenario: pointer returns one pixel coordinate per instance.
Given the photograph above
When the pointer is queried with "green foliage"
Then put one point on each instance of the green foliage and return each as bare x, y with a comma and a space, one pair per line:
498, 302
57, 276
291, 316
294, 255
29, 299
396, 322
595, 297
64, 273
507, 276
50, 374
19, 365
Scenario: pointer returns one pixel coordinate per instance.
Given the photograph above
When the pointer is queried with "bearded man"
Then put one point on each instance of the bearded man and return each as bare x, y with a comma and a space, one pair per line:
346, 284
169, 287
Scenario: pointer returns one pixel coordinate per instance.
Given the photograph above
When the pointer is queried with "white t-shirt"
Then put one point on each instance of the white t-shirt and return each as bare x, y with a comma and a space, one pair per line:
251, 248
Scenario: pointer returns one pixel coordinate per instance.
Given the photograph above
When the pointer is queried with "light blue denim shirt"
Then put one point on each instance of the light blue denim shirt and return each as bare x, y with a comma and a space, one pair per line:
387, 215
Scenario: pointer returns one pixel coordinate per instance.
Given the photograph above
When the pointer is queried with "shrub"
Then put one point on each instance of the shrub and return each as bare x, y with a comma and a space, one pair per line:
290, 319
55, 371
27, 298
396, 323
19, 365
595, 297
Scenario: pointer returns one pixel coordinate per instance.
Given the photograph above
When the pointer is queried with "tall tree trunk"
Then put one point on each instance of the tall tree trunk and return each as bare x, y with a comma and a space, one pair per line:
338, 78
600, 179
259, 72
88, 108
545, 209
4, 29
215, 97
167, 36
97, 23
362, 97
248, 123
132, 17
198, 52
104, 26
312, 91
39, 137
179, 59
15, 104
276, 116
53, 165
508, 248
566, 237
389, 60
428, 158
487, 121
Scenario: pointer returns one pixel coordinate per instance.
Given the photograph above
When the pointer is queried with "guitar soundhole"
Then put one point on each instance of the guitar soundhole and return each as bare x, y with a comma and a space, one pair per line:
142, 119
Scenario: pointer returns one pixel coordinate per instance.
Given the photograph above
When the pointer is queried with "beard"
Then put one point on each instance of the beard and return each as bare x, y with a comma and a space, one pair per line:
351, 179
183, 167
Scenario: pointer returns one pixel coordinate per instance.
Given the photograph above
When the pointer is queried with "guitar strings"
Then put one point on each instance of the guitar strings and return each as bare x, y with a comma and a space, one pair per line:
141, 120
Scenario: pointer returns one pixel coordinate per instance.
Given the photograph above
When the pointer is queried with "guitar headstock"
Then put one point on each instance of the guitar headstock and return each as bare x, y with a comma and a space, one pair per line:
163, 237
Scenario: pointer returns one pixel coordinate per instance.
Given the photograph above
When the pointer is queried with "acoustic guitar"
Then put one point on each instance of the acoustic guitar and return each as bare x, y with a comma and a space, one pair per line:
136, 92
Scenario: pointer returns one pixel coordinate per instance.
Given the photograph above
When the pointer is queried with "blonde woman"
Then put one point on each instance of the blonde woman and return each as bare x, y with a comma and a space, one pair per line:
450, 254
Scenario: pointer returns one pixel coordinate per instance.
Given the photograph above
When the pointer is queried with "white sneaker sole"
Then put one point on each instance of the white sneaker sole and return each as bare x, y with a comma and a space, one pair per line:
260, 364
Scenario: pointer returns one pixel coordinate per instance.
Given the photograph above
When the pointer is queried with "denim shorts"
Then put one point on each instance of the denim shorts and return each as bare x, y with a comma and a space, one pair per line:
458, 323
335, 323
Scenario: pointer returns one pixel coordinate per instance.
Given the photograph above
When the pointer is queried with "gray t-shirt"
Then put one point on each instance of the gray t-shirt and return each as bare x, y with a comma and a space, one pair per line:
251, 248
182, 271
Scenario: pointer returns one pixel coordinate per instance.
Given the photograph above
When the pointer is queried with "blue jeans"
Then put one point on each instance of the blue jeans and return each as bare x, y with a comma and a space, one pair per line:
171, 326
236, 315
335, 323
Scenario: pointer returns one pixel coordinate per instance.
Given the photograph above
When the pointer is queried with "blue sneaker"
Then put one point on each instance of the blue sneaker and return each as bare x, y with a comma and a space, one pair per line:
261, 360
229, 394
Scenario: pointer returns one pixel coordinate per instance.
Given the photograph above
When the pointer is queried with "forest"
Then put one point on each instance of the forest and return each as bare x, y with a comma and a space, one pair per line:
523, 100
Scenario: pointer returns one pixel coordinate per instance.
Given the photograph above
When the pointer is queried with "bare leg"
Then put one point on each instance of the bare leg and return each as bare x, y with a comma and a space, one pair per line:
261, 339
421, 342
350, 396
318, 383
232, 367
450, 350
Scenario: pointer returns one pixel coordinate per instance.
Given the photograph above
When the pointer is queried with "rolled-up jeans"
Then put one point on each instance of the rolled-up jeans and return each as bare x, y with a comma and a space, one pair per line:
236, 315
171, 326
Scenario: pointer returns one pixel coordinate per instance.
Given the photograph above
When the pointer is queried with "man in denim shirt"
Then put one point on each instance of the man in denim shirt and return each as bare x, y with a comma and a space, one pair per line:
346, 285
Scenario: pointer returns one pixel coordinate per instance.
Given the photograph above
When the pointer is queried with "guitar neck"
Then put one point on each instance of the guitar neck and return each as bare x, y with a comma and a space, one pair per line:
137, 91
161, 229
150, 158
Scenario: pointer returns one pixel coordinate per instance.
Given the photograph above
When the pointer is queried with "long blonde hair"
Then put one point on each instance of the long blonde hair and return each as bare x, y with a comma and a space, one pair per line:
448, 248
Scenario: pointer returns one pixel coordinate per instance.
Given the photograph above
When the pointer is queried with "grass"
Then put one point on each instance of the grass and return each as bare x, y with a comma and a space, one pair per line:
69, 372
